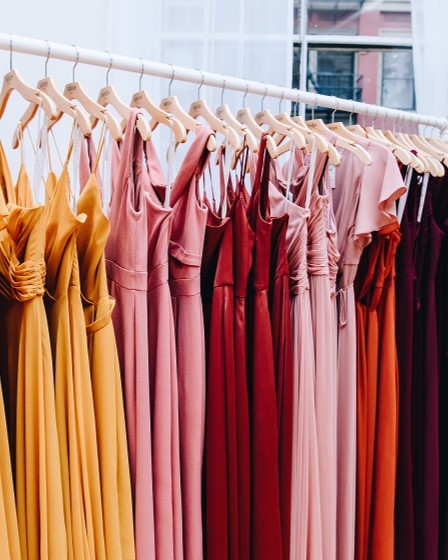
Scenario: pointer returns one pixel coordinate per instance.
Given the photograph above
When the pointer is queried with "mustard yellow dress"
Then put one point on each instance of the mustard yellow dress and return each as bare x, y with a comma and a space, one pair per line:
74, 400
30, 401
9, 530
106, 379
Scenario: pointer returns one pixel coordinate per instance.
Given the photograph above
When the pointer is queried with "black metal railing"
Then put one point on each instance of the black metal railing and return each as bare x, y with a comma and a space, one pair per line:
344, 85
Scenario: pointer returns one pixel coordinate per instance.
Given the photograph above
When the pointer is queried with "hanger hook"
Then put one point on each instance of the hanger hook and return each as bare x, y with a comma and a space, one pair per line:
202, 82
337, 108
48, 57
281, 101
111, 61
10, 54
76, 63
141, 75
264, 95
375, 117
173, 73
351, 114
296, 103
245, 94
222, 91
314, 106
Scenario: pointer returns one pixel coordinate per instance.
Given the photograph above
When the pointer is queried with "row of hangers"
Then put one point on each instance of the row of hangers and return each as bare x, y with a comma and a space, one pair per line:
284, 132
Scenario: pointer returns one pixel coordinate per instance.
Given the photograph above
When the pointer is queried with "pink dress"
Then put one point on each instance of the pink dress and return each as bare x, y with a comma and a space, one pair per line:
306, 527
127, 270
323, 319
185, 255
363, 201
163, 373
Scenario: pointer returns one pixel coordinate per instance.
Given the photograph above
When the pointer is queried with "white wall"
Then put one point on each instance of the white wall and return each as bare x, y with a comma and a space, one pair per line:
246, 38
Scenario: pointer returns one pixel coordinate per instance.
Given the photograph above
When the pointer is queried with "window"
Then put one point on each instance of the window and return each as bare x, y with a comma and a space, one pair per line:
360, 50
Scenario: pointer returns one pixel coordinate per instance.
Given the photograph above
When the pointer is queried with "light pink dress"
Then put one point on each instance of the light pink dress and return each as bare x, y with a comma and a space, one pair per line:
127, 271
306, 526
363, 201
324, 326
186, 245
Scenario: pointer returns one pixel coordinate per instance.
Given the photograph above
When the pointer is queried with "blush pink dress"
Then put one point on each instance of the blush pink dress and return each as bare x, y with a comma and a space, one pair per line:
127, 271
306, 526
363, 201
185, 255
323, 318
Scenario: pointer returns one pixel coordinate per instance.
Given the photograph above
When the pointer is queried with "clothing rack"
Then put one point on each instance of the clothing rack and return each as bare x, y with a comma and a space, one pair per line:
72, 53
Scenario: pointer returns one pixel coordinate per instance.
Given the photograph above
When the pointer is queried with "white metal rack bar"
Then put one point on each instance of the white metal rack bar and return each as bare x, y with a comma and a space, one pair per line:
91, 57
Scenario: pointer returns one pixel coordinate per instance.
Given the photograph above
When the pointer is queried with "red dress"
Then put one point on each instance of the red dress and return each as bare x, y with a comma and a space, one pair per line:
266, 533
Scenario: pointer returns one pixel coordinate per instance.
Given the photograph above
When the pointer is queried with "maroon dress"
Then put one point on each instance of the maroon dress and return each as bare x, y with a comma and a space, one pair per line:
266, 533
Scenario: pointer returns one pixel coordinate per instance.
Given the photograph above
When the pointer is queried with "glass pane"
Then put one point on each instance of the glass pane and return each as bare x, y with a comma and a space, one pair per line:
380, 78
357, 17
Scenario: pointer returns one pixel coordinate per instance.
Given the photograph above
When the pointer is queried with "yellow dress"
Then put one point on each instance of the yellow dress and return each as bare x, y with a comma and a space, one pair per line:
106, 380
74, 401
30, 377
9, 530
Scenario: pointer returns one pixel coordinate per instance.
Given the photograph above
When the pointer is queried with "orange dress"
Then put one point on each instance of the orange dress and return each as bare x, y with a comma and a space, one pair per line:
377, 389
73, 389
31, 402
106, 380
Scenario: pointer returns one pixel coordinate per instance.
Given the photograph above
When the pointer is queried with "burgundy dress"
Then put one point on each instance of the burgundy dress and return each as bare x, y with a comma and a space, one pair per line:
266, 533
405, 282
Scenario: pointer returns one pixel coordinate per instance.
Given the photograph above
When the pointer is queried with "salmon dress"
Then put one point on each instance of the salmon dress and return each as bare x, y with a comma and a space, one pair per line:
127, 271
105, 375
31, 390
306, 526
164, 400
73, 389
185, 255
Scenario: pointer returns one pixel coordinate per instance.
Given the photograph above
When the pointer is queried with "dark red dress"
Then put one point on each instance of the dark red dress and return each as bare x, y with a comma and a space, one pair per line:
280, 309
266, 533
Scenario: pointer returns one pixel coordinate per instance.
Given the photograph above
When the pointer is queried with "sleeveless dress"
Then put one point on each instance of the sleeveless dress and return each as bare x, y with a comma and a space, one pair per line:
323, 320
73, 390
266, 533
39, 497
306, 527
127, 271
164, 400
185, 255
105, 373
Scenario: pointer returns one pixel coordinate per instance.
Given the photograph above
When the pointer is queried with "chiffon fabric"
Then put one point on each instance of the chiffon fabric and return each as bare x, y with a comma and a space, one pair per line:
306, 527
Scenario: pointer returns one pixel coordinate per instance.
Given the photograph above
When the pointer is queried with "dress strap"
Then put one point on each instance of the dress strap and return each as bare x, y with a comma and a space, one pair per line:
127, 148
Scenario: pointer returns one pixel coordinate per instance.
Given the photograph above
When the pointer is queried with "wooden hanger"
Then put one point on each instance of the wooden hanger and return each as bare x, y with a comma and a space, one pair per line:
48, 86
171, 104
75, 90
341, 142
225, 114
200, 108
12, 81
108, 96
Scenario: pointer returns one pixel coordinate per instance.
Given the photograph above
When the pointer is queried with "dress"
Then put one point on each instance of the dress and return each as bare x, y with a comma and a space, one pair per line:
162, 372
243, 244
363, 199
105, 374
185, 255
306, 527
323, 320
220, 454
266, 534
37, 469
73, 390
127, 271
